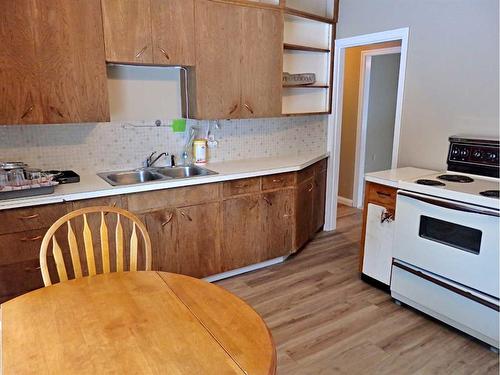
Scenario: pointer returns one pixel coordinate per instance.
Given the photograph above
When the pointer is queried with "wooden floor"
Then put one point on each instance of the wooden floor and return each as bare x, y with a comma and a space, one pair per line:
325, 320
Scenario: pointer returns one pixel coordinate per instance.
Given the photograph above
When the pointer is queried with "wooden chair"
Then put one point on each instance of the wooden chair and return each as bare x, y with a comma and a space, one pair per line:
89, 254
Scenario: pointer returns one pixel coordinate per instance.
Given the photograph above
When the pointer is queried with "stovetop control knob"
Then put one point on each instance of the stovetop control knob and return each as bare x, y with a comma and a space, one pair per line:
492, 156
477, 154
464, 152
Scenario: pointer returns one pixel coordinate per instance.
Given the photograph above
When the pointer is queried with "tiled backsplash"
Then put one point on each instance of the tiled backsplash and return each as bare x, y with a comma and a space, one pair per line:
90, 148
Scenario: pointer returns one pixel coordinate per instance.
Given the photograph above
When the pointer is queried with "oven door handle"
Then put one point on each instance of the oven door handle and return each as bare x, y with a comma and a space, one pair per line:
450, 205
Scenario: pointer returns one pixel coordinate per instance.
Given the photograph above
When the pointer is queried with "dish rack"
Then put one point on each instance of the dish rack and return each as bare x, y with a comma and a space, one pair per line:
43, 187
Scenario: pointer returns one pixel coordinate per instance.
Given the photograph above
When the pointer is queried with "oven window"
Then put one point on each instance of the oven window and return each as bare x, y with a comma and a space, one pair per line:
451, 234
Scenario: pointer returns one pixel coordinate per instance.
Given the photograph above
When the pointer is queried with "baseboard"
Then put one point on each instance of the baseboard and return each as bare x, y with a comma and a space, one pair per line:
342, 200
246, 269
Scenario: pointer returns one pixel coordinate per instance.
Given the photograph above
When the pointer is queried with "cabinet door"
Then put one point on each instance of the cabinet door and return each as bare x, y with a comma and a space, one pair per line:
242, 232
173, 32
127, 31
20, 101
162, 228
218, 51
70, 51
319, 200
198, 240
304, 214
262, 63
277, 222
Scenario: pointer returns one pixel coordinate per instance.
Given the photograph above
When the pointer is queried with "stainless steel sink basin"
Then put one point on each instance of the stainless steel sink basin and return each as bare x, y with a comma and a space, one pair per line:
131, 177
140, 176
184, 172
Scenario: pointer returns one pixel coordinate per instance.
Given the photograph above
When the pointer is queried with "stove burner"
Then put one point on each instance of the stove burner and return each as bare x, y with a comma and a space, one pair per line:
456, 178
491, 193
430, 182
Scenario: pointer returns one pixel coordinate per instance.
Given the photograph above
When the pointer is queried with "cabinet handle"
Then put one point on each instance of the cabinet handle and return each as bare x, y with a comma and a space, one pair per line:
266, 199
34, 216
278, 180
169, 219
164, 53
186, 216
30, 269
383, 194
233, 109
56, 111
386, 216
141, 52
311, 188
249, 108
34, 238
28, 111
113, 205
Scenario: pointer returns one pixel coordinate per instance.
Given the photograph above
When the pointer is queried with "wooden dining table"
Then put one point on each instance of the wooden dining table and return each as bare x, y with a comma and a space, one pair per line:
134, 323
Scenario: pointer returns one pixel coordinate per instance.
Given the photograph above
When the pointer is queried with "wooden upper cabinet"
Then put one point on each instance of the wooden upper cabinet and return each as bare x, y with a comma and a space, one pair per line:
217, 85
20, 101
127, 31
159, 32
238, 62
70, 51
52, 67
262, 66
173, 32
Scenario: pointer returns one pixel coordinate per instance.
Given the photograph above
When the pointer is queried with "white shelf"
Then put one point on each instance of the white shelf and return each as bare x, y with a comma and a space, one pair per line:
321, 8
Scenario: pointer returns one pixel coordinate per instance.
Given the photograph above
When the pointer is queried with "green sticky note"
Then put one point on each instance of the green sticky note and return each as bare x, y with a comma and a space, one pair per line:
179, 125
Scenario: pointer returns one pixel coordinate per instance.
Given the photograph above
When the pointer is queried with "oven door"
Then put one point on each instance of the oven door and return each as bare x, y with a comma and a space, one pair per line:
457, 241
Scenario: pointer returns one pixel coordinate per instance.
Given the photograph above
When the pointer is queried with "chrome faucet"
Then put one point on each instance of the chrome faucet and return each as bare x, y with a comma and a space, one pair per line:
149, 162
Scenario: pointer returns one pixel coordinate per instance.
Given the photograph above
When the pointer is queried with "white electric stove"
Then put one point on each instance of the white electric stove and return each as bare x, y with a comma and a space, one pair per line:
446, 244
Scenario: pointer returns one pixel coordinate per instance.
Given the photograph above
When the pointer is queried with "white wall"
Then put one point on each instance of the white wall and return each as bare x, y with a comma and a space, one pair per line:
381, 112
452, 76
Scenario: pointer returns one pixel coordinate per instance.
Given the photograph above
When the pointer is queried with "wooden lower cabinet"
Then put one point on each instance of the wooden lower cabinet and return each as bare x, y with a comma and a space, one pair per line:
162, 228
319, 200
198, 230
304, 212
198, 240
242, 234
277, 223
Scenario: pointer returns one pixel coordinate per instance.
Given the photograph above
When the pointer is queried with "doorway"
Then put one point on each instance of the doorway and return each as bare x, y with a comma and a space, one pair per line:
373, 142
376, 116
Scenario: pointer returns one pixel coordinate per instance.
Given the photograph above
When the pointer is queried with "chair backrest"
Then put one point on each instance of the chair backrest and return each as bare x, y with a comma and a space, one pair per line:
106, 214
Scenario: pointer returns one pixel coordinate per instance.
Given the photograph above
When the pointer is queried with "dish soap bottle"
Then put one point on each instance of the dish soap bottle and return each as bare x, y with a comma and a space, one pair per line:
200, 151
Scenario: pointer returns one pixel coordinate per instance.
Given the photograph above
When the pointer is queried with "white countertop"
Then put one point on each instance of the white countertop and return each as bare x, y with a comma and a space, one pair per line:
92, 186
392, 177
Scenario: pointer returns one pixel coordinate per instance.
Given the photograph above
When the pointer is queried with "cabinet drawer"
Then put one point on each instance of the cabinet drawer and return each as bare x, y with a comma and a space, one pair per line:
384, 195
141, 202
23, 246
243, 186
113, 201
24, 219
276, 181
19, 278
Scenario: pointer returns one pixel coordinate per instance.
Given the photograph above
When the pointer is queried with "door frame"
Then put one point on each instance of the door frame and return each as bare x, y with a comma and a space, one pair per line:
362, 122
335, 120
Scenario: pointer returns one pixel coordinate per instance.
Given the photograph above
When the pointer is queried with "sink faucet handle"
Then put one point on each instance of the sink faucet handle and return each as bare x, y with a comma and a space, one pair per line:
149, 159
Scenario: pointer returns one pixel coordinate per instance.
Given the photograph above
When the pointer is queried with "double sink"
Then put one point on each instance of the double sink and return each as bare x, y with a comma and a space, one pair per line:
142, 175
